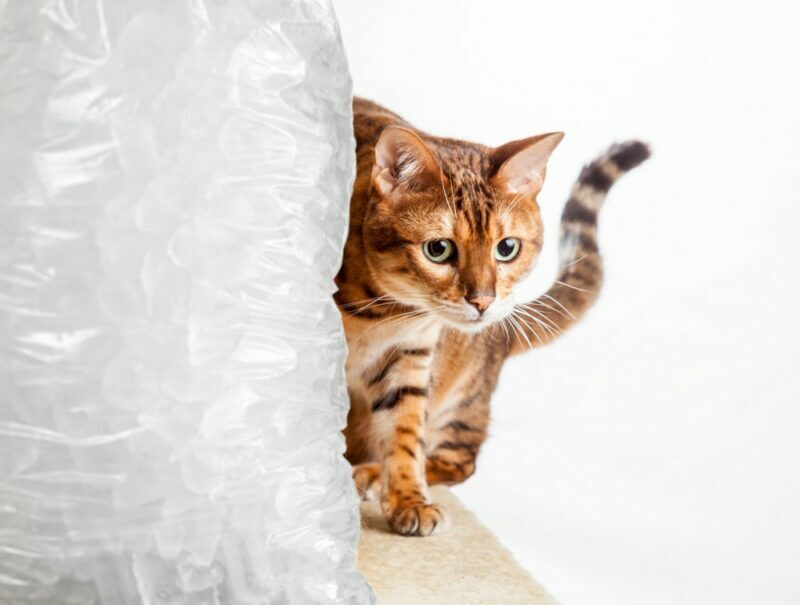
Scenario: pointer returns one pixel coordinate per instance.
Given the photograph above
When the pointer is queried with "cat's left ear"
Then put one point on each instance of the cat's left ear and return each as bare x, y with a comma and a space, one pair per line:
521, 165
404, 161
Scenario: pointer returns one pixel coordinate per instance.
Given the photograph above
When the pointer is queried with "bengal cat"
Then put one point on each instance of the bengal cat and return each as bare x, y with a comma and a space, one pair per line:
441, 230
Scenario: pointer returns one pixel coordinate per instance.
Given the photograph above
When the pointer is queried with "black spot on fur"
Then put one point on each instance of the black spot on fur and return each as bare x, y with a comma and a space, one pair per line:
574, 211
387, 240
383, 372
417, 352
452, 445
592, 176
391, 399
465, 403
409, 451
458, 425
369, 292
630, 154
588, 243
364, 313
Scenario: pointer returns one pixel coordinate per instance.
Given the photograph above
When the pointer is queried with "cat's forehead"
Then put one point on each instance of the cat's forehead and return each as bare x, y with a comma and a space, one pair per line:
466, 159
472, 200
466, 203
468, 169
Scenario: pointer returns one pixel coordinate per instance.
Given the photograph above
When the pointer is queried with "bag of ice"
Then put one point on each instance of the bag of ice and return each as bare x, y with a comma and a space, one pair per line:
174, 183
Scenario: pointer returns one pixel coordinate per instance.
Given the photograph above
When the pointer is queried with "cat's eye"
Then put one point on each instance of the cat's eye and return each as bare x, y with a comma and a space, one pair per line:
507, 249
438, 250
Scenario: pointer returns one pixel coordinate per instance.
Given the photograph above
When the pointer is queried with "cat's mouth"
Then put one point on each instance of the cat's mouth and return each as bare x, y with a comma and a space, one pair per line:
469, 322
464, 318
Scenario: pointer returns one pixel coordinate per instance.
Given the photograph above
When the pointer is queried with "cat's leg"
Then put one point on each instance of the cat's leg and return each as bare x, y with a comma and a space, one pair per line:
398, 397
455, 439
440, 468
447, 470
367, 478
456, 443
404, 492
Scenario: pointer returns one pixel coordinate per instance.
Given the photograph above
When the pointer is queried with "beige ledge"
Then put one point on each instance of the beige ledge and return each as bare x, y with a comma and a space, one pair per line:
464, 566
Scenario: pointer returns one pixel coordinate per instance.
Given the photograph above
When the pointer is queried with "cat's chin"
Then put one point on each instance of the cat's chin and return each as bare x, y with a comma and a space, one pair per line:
468, 326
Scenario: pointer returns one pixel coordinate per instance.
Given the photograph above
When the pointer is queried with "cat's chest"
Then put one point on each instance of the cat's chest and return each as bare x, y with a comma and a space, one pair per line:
369, 345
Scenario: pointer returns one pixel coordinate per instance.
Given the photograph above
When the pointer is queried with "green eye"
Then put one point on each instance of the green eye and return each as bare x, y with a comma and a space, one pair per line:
507, 249
438, 250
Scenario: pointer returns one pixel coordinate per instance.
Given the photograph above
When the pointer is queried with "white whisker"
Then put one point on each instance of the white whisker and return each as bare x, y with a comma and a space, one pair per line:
529, 309
567, 311
574, 262
444, 191
514, 201
574, 287
550, 330
538, 303
521, 331
365, 301
535, 333
392, 319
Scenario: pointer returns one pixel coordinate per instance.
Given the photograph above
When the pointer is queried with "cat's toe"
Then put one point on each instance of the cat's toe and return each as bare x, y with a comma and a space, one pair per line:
367, 478
419, 520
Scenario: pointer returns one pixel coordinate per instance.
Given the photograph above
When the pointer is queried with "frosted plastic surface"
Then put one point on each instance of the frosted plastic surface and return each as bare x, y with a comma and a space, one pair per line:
174, 184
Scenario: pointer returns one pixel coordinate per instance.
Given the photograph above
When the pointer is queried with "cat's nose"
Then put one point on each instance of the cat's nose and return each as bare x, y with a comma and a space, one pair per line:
481, 301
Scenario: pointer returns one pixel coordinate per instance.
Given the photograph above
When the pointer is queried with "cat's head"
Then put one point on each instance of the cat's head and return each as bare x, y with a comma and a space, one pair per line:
451, 228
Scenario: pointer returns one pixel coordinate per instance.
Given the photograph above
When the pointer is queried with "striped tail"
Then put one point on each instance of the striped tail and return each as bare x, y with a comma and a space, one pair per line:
581, 275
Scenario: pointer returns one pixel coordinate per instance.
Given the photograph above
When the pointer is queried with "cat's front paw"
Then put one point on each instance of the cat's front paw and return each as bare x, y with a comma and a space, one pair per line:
367, 478
419, 519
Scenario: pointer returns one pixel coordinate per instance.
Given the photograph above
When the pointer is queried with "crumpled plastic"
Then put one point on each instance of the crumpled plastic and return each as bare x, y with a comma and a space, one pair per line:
174, 186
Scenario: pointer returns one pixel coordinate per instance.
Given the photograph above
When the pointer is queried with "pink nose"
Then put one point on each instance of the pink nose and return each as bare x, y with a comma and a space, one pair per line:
481, 301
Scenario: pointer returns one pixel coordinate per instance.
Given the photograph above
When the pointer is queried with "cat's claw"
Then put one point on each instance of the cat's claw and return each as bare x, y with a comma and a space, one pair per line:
418, 520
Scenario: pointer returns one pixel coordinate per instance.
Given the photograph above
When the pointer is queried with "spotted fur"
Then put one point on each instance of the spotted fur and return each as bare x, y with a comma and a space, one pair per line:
426, 340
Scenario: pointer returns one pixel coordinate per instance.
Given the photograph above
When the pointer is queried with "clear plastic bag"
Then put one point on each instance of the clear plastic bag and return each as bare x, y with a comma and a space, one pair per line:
174, 184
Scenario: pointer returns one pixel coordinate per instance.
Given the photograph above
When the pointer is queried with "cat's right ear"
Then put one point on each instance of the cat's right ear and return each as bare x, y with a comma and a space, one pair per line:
403, 160
521, 165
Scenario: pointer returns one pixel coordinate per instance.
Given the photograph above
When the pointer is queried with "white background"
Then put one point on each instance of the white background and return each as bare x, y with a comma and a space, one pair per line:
651, 456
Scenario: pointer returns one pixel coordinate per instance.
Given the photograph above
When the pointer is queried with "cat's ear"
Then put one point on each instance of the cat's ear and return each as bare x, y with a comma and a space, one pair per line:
521, 165
402, 159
